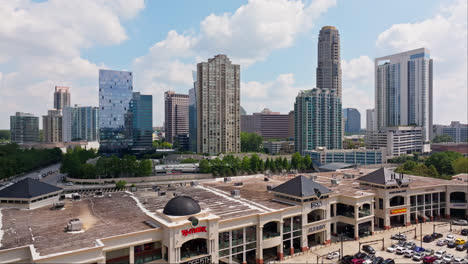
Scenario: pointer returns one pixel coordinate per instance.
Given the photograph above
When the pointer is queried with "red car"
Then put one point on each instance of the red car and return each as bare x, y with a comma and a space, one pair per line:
429, 259
357, 261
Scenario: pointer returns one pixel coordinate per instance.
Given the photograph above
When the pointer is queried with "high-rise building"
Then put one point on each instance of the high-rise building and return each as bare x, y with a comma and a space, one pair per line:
24, 127
52, 126
115, 94
403, 90
218, 106
401, 140
371, 122
141, 108
268, 124
457, 131
329, 62
61, 97
352, 123
192, 120
317, 120
176, 112
80, 123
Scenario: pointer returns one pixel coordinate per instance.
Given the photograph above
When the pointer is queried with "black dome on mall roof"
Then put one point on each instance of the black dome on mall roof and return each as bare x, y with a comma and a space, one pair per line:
181, 205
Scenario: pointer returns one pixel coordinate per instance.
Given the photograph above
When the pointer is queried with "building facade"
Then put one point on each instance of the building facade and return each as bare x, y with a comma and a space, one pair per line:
352, 120
268, 124
115, 94
24, 127
80, 123
398, 141
403, 90
52, 126
352, 156
457, 131
317, 120
141, 109
218, 106
62, 97
329, 60
192, 120
176, 108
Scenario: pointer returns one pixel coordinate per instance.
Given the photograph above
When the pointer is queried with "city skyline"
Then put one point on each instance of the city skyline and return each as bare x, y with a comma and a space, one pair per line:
271, 77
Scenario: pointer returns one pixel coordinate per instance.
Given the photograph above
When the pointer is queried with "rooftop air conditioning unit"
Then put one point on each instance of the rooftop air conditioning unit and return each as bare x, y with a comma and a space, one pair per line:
235, 193
194, 183
238, 184
74, 225
99, 193
266, 179
270, 187
58, 206
162, 193
227, 179
335, 182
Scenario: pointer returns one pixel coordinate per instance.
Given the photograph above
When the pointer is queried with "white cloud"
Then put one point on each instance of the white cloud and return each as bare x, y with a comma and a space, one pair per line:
360, 69
40, 45
445, 35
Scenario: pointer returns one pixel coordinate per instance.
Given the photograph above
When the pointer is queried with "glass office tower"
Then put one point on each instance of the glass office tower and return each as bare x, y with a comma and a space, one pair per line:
115, 94
141, 108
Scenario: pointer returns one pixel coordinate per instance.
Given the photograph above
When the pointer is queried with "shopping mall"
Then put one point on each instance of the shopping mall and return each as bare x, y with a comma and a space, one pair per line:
248, 219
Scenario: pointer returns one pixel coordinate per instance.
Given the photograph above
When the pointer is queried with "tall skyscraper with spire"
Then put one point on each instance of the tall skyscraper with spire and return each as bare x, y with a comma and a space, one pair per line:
329, 61
61, 97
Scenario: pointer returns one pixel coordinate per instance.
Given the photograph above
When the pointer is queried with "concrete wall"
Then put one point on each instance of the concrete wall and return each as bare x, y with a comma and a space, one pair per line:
178, 177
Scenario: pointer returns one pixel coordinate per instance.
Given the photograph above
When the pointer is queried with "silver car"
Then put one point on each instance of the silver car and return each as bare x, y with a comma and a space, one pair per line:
460, 222
418, 256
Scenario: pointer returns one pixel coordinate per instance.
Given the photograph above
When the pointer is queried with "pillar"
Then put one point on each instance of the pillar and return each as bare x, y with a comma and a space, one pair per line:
280, 249
356, 231
259, 245
304, 244
132, 255
356, 212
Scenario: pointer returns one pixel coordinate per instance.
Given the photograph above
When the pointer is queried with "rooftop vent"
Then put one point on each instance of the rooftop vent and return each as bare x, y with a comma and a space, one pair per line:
98, 193
270, 187
174, 194
162, 193
238, 184
194, 183
227, 179
58, 206
151, 223
76, 197
348, 176
335, 182
74, 225
235, 193
266, 179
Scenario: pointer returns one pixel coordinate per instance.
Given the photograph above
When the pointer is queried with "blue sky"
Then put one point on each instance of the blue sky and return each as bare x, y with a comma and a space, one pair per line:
48, 43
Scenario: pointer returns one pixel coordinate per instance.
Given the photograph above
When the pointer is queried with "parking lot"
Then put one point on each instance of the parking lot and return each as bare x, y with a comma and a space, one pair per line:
352, 247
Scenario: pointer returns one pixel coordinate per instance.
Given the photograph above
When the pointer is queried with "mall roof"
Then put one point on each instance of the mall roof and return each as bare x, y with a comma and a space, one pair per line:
385, 176
333, 166
301, 186
28, 188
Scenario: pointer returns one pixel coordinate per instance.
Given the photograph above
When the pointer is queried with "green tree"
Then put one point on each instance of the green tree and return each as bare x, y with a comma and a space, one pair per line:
4, 135
409, 165
296, 161
442, 138
204, 166
460, 165
307, 162
254, 163
120, 184
245, 164
251, 142
442, 161
432, 172
144, 168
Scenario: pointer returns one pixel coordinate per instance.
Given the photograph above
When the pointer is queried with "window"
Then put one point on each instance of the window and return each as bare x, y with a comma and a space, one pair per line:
380, 203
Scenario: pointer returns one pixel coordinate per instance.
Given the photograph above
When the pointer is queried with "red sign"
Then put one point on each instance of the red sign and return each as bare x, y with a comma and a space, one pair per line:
398, 211
194, 230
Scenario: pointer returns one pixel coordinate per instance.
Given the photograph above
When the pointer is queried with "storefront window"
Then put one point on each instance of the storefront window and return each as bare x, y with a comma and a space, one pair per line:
223, 240
251, 234
297, 222
237, 237
287, 225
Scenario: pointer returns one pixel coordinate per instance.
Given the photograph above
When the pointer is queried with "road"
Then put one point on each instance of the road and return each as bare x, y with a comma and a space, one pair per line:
51, 179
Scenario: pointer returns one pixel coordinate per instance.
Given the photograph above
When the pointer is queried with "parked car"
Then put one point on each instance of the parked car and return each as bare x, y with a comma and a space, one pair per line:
409, 253
462, 247
360, 255
392, 248
410, 245
428, 239
418, 256
429, 252
450, 238
439, 254
458, 260
464, 232
447, 258
388, 261
398, 237
400, 250
460, 222
459, 241
377, 260
368, 249
451, 244
333, 255
429, 259
437, 235
346, 259
418, 249
357, 261
441, 242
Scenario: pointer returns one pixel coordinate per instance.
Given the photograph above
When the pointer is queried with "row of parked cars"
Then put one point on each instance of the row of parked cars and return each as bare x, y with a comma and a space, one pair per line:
363, 258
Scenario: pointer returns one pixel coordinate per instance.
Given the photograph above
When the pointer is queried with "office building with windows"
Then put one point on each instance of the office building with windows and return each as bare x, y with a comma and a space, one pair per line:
317, 120
403, 91
141, 112
176, 111
24, 127
115, 94
80, 123
329, 60
52, 126
359, 156
397, 140
268, 124
352, 120
62, 97
192, 120
218, 106
457, 131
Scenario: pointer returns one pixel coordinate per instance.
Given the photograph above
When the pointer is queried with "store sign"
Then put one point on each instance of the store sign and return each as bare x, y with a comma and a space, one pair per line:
202, 260
316, 228
315, 204
398, 211
194, 230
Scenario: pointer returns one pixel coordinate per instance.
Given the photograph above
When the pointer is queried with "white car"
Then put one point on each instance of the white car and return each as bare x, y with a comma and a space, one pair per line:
441, 242
418, 256
450, 238
447, 258
367, 261
439, 254
460, 222
458, 260
333, 255
409, 253
392, 248
400, 250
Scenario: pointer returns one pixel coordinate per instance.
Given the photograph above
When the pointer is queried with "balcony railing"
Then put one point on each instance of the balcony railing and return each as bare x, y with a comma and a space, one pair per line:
270, 235
457, 201
346, 214
364, 213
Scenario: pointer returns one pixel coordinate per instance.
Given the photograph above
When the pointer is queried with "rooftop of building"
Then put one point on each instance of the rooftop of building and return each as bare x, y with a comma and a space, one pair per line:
28, 188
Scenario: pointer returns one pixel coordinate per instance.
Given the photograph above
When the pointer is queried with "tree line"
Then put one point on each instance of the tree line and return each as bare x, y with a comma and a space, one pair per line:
74, 163
230, 165
14, 161
438, 165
